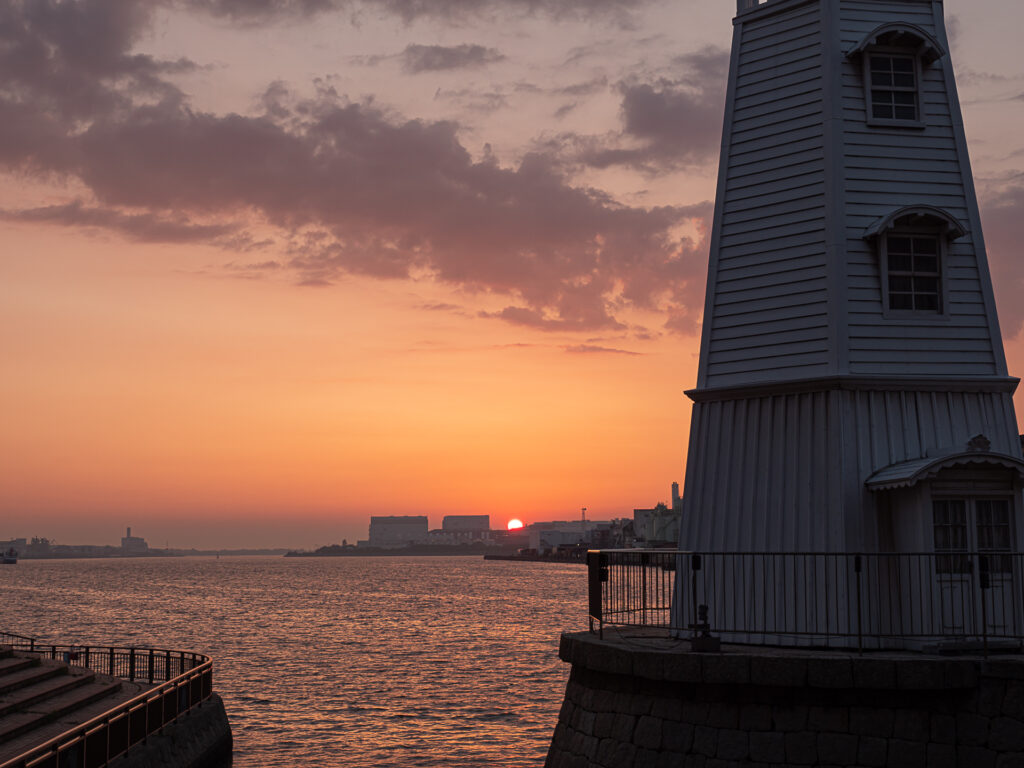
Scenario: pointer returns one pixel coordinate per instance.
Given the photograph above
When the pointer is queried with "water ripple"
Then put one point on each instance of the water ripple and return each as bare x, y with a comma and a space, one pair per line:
337, 661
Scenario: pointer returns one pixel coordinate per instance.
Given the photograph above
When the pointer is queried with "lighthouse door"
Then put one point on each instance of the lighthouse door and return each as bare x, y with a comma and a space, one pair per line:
974, 525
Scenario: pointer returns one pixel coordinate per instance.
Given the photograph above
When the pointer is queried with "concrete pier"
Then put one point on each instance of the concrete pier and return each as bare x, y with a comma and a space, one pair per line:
201, 738
634, 699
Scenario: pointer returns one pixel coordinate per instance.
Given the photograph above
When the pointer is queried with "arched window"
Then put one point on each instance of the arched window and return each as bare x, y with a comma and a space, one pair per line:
912, 243
894, 57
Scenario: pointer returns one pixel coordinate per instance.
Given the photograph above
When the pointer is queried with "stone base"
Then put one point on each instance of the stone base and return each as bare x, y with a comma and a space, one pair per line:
634, 701
199, 739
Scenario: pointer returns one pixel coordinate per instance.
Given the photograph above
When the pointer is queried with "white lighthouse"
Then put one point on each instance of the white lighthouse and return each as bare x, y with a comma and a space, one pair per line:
852, 393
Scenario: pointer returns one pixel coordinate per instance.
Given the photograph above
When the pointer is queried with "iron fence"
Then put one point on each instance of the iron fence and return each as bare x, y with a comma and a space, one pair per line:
939, 601
181, 680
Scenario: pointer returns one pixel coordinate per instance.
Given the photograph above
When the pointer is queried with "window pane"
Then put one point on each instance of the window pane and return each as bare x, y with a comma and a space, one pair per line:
899, 80
950, 535
881, 78
926, 245
901, 301
926, 302
905, 113
882, 97
929, 264
926, 285
883, 63
899, 262
882, 111
900, 284
899, 244
902, 64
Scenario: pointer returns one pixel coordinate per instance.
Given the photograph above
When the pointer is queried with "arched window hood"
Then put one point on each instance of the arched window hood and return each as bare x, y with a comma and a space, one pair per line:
917, 216
901, 35
909, 473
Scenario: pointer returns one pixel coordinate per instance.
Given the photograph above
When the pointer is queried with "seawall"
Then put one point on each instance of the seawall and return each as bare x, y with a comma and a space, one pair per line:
646, 703
200, 738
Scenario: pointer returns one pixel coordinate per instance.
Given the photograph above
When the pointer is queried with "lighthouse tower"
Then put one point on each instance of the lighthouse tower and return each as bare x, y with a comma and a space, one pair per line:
852, 393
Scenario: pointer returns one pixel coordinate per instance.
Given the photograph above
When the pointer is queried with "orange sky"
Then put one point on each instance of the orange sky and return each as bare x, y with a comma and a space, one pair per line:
238, 367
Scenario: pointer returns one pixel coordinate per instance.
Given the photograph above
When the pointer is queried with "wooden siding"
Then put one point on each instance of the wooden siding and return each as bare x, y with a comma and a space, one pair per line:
791, 274
795, 293
884, 169
769, 314
786, 472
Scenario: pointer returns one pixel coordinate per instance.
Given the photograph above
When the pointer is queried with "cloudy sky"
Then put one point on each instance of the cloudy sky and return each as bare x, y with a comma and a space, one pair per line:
268, 268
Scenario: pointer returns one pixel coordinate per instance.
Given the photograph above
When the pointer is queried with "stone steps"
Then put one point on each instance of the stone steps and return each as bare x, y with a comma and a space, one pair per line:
54, 707
29, 672
49, 730
12, 663
42, 698
24, 697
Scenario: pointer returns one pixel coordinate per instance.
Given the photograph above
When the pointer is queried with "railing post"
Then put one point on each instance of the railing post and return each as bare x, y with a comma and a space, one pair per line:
150, 666
597, 574
131, 664
694, 567
644, 559
111, 662
984, 583
857, 568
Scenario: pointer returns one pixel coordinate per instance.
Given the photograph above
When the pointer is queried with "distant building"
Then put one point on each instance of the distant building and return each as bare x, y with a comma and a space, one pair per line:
656, 526
456, 529
18, 545
131, 543
466, 523
397, 530
659, 525
547, 537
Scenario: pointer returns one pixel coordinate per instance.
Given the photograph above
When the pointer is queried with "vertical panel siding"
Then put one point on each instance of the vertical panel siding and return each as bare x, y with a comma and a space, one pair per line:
886, 168
787, 472
769, 317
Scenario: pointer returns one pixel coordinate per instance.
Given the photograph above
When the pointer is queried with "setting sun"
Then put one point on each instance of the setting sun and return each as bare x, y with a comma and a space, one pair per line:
515, 524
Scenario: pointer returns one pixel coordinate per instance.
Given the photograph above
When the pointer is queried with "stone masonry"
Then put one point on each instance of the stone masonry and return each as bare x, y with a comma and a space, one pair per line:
635, 703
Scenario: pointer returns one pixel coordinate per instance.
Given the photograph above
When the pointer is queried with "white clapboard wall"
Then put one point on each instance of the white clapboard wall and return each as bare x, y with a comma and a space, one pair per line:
808, 382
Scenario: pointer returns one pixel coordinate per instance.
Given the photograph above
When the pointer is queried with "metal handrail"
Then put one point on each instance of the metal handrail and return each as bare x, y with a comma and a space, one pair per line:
947, 600
108, 735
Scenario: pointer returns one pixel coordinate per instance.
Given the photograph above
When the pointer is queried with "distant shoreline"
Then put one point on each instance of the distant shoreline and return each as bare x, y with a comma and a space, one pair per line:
537, 559
116, 554
436, 550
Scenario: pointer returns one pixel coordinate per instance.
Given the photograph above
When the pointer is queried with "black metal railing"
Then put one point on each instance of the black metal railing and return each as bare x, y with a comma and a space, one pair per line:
181, 680
863, 600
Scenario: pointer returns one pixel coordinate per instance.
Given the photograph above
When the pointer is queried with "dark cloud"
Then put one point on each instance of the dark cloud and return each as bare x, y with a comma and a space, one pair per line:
442, 307
591, 349
352, 189
261, 10
473, 100
584, 88
432, 58
1002, 210
668, 123
149, 227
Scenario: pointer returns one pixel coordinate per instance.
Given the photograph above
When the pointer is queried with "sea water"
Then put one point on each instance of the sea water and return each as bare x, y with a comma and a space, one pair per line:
346, 661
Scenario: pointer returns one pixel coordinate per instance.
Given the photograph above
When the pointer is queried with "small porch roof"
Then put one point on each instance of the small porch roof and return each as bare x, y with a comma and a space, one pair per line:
907, 473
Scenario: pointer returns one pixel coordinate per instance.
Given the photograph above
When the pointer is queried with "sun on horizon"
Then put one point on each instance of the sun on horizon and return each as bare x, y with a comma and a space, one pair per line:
515, 524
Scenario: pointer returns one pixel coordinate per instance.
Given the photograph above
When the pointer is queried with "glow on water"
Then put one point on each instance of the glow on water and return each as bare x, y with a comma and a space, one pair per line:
336, 661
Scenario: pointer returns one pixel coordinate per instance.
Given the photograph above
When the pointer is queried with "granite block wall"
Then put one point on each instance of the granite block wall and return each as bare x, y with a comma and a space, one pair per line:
641, 708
